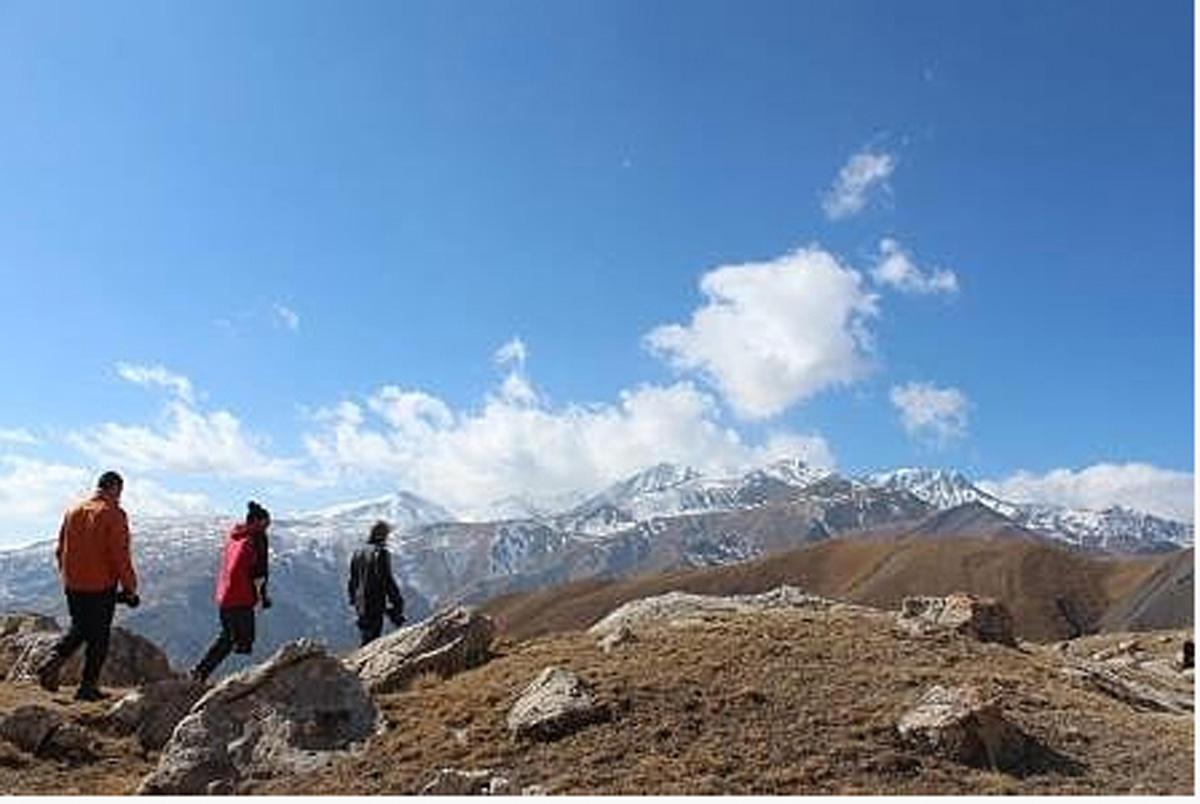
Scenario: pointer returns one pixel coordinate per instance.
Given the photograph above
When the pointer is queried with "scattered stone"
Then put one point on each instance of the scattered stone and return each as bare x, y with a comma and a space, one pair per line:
21, 622
623, 635
131, 660
69, 742
555, 704
958, 724
451, 782
534, 790
1135, 693
982, 618
28, 727
676, 607
153, 710
1120, 649
290, 714
447, 643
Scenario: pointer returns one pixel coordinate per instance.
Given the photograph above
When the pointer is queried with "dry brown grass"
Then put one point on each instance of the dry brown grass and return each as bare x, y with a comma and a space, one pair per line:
780, 703
1028, 576
119, 768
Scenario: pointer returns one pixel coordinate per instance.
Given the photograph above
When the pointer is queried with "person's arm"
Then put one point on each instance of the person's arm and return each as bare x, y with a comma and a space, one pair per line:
393, 591
352, 584
62, 537
118, 544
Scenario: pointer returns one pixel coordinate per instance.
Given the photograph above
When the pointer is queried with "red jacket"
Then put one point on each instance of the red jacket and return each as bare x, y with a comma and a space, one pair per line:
243, 561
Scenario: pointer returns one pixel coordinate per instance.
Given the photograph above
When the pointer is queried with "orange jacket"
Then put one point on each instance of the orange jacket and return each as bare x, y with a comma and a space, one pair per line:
93, 548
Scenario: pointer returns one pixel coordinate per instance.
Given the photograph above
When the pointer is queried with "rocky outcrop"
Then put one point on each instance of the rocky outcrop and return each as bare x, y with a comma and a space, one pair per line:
1138, 692
683, 608
152, 711
982, 618
19, 622
451, 782
447, 643
290, 714
555, 704
131, 660
623, 635
960, 725
43, 732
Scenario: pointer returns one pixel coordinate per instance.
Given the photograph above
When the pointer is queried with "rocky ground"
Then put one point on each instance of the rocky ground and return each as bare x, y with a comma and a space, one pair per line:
782, 702
790, 700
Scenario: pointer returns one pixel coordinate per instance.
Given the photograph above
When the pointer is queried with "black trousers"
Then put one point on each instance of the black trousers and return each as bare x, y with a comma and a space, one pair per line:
370, 626
237, 636
91, 622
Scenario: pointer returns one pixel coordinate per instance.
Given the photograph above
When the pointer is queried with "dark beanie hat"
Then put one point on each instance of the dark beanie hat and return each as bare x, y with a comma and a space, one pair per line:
254, 511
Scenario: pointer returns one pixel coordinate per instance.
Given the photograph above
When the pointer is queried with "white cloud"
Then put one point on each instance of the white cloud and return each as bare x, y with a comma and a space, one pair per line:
188, 441
856, 181
896, 269
288, 317
775, 333
34, 492
18, 435
1163, 492
930, 412
512, 353
142, 497
466, 460
157, 375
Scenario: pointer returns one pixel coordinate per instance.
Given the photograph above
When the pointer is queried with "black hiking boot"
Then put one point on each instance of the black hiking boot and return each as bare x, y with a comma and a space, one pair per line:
90, 694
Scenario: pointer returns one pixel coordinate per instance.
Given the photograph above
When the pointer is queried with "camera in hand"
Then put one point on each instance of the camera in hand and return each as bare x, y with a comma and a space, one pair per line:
130, 599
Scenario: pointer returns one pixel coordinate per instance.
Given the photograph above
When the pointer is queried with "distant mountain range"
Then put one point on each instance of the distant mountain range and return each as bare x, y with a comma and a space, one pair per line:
667, 517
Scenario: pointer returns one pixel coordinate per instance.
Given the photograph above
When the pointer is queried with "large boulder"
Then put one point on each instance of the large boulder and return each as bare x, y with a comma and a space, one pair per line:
152, 711
555, 704
447, 643
291, 714
43, 732
131, 660
959, 724
19, 622
982, 618
686, 608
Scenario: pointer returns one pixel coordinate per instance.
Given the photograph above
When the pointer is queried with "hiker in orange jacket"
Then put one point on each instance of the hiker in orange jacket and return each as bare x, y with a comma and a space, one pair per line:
241, 583
93, 558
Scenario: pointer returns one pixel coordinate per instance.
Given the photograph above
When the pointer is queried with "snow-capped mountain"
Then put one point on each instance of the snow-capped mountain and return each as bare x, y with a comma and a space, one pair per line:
402, 509
664, 518
1116, 529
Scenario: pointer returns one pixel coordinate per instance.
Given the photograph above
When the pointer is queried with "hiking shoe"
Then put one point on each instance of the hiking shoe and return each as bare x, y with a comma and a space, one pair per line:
47, 673
198, 675
90, 694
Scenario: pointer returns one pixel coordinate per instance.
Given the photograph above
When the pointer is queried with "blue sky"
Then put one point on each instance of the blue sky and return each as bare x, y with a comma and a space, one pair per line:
311, 251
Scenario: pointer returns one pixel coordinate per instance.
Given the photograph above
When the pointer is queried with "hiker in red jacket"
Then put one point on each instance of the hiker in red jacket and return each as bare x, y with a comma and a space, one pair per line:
241, 583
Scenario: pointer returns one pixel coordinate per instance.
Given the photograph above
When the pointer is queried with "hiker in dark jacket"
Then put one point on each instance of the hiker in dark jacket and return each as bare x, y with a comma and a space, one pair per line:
372, 586
241, 584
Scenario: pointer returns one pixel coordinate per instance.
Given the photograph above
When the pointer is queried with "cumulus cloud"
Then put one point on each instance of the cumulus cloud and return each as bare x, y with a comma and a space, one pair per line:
157, 375
864, 174
143, 497
522, 447
895, 268
188, 441
34, 491
287, 316
772, 334
926, 411
1163, 492
17, 435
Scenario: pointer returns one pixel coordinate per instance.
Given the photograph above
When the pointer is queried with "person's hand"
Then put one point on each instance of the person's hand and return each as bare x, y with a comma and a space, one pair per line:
266, 601
396, 617
130, 599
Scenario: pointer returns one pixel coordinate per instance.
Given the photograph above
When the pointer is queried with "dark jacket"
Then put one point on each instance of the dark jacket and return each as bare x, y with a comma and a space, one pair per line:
371, 584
